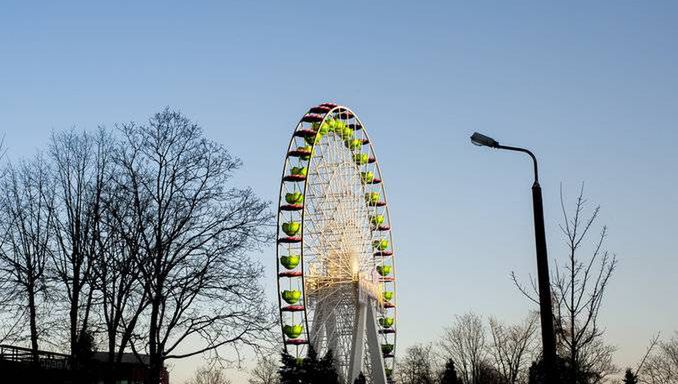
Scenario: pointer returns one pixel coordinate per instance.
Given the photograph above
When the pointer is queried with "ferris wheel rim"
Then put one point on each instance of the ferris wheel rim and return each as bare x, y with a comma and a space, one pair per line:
330, 112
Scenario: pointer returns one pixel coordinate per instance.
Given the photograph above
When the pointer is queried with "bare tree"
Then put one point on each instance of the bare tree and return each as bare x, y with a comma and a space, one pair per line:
417, 366
120, 297
209, 375
654, 341
579, 289
25, 197
661, 367
266, 371
196, 230
511, 348
578, 286
76, 211
11, 321
465, 342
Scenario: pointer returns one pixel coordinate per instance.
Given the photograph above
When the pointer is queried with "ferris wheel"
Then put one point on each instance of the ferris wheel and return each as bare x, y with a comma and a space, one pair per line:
335, 260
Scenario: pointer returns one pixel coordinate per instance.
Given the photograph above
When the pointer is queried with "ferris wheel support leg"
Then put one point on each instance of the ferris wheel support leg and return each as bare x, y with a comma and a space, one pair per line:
358, 341
316, 337
378, 371
332, 336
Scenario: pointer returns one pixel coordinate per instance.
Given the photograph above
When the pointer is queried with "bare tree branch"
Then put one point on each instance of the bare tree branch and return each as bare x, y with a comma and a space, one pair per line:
25, 196
511, 348
417, 366
194, 240
578, 290
465, 343
661, 366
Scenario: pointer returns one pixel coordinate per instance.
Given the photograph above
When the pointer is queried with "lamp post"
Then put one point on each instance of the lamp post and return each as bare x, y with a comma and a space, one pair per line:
545, 309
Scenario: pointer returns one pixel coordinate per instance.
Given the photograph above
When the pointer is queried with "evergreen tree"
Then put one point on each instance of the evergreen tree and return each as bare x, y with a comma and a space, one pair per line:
85, 347
309, 370
487, 374
565, 374
360, 379
533, 374
291, 372
310, 367
449, 375
630, 377
325, 371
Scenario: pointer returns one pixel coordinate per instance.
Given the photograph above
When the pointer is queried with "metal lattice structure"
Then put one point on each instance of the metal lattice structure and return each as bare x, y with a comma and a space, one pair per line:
335, 261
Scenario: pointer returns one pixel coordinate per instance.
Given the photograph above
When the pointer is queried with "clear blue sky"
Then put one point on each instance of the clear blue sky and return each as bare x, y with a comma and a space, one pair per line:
590, 86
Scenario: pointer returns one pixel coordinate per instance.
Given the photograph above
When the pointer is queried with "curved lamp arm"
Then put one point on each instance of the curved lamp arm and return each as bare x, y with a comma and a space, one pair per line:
518, 149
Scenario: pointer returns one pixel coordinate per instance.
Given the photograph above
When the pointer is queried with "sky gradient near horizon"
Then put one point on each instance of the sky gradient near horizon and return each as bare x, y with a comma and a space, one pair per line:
591, 87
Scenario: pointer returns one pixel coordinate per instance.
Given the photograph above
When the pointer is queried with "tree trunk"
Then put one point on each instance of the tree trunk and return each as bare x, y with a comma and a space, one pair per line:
153, 375
73, 317
110, 368
32, 313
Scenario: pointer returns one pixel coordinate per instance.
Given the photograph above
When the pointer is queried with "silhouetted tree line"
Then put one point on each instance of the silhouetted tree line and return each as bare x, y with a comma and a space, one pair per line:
131, 240
420, 365
476, 351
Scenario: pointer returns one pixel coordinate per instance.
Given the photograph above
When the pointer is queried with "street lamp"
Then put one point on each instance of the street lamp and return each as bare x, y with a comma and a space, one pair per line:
545, 310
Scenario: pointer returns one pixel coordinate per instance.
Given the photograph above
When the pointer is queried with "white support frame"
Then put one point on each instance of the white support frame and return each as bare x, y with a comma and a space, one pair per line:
377, 359
366, 325
358, 341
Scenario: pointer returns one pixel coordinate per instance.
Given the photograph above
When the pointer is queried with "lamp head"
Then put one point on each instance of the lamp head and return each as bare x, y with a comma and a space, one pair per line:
483, 141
